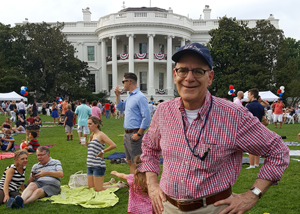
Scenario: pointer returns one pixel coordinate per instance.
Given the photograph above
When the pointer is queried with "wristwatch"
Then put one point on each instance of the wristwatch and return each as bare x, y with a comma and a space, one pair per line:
256, 191
138, 134
102, 151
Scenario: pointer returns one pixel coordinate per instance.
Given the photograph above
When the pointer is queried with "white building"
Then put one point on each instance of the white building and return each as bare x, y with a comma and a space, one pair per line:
140, 40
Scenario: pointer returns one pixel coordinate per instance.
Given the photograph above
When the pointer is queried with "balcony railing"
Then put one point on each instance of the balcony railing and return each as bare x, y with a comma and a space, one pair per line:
140, 56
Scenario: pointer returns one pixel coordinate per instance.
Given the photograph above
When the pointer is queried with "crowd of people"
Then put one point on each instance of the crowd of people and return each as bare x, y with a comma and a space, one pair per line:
201, 145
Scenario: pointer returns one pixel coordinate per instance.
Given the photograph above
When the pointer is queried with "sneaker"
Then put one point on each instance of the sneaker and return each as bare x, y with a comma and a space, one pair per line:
18, 202
112, 181
251, 167
9, 202
121, 184
256, 165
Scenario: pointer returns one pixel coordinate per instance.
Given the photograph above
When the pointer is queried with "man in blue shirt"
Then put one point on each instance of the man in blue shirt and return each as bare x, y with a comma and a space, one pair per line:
258, 111
137, 117
84, 113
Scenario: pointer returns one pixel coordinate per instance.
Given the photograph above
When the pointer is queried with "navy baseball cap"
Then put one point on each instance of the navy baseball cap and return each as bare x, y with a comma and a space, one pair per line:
197, 48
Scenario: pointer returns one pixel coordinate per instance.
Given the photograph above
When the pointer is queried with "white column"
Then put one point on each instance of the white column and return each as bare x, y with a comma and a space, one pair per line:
170, 81
131, 53
103, 65
114, 64
151, 90
182, 42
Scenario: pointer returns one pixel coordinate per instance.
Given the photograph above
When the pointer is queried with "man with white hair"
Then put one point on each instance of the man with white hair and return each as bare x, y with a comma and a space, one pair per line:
238, 100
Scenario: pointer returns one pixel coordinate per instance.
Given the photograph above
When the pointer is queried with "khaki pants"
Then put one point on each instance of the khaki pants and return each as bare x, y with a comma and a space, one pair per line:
209, 209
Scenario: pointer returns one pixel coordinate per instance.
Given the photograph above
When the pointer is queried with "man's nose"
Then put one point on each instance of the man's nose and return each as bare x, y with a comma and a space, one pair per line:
190, 76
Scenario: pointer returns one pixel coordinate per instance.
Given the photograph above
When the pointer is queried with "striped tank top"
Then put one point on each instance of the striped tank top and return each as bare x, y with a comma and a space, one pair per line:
16, 180
94, 147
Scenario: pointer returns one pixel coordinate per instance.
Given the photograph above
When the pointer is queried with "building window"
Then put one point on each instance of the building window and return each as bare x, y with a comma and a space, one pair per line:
126, 49
176, 48
161, 80
109, 82
143, 81
91, 53
92, 82
109, 51
143, 48
161, 49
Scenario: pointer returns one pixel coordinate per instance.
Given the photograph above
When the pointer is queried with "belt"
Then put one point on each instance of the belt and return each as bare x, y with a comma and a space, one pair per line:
131, 130
198, 203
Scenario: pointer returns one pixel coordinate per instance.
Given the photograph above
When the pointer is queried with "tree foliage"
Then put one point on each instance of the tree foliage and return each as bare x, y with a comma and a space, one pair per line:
245, 57
40, 57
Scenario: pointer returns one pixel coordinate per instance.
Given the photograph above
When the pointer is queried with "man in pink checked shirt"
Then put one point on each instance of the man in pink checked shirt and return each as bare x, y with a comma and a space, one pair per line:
202, 139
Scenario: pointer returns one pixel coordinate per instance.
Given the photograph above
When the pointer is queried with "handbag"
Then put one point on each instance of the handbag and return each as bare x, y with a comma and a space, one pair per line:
77, 180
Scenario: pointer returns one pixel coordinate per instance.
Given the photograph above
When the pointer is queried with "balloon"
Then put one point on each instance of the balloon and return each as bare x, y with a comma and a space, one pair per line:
266, 100
23, 92
231, 90
60, 99
280, 94
26, 93
229, 93
282, 91
59, 102
282, 87
278, 91
57, 98
23, 145
280, 97
23, 88
231, 87
233, 94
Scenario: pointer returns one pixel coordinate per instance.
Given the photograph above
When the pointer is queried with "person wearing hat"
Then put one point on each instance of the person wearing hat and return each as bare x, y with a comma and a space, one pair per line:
202, 139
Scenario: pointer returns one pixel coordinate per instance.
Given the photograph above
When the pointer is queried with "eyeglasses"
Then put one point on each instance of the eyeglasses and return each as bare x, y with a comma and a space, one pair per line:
197, 72
22, 153
41, 155
124, 81
7, 134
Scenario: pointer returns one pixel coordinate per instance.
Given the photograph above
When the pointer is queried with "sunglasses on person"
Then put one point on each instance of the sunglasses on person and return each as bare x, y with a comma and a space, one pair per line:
124, 81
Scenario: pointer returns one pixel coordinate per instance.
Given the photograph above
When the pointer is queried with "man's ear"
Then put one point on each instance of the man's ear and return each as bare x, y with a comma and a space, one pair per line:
211, 75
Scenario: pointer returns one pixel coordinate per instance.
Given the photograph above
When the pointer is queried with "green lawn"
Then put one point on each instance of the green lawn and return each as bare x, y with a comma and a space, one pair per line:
283, 198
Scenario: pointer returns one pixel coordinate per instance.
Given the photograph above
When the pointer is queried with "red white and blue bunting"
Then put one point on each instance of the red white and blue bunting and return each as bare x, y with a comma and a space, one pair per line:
123, 56
161, 91
159, 56
141, 55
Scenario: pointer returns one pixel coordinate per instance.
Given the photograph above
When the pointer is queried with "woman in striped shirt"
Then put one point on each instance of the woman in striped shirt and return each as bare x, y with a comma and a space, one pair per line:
95, 162
13, 177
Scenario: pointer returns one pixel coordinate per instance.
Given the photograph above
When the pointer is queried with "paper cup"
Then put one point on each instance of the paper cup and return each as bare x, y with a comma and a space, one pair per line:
82, 140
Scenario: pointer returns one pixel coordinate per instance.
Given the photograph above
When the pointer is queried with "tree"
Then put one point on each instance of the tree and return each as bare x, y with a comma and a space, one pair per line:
244, 57
50, 65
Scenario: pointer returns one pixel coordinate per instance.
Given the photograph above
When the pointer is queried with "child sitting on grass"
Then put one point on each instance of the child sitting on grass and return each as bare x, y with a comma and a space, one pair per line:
38, 120
33, 144
139, 201
61, 120
7, 142
30, 120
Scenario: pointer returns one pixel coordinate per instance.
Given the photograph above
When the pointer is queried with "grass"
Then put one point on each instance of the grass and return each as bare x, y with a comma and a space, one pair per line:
283, 198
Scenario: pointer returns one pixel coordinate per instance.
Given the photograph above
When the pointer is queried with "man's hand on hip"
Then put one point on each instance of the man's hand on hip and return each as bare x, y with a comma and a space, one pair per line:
135, 137
157, 196
239, 203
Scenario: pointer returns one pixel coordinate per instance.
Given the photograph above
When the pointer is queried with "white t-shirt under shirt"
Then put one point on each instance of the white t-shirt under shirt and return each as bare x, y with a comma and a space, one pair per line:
191, 115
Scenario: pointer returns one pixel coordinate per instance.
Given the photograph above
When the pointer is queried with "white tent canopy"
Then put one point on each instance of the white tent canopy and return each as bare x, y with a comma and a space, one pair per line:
12, 96
265, 95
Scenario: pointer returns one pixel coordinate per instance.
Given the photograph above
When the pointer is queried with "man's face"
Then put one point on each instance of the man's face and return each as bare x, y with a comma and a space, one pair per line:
250, 96
126, 84
192, 90
42, 157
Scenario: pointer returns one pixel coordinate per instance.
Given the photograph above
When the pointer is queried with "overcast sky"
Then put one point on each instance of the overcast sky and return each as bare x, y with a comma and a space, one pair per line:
71, 10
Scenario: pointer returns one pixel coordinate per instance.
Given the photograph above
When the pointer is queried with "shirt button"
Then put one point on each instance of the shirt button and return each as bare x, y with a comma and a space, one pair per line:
181, 181
186, 163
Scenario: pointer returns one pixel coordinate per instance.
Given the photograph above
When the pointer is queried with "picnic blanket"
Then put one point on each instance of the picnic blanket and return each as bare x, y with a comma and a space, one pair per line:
116, 155
18, 146
292, 144
6, 155
85, 197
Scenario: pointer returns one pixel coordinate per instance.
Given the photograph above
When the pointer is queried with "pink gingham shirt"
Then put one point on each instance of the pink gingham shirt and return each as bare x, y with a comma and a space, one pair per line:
137, 203
232, 128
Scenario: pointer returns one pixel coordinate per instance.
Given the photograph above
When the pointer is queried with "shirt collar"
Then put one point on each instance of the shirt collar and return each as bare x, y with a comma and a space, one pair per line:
202, 111
134, 91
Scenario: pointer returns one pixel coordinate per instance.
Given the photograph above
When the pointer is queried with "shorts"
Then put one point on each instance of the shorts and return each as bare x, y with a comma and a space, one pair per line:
85, 129
96, 171
48, 188
132, 148
68, 129
277, 117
